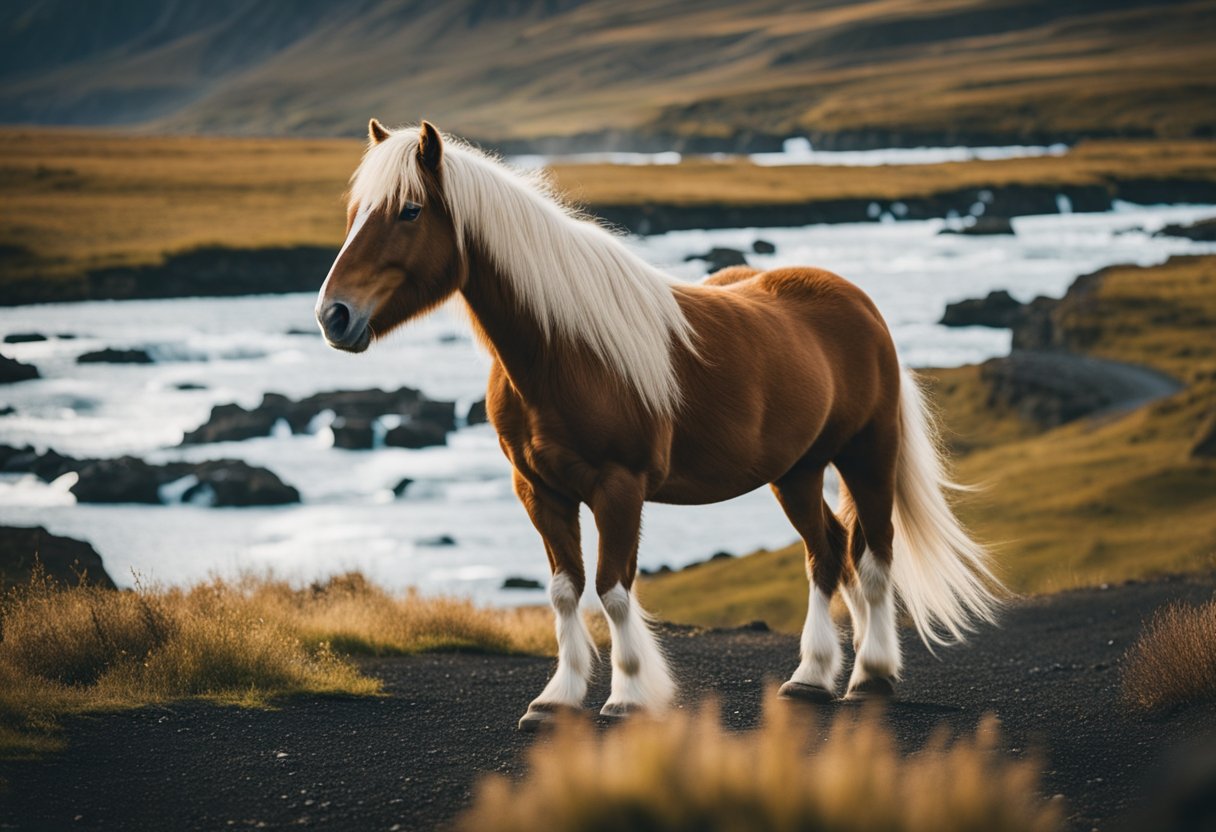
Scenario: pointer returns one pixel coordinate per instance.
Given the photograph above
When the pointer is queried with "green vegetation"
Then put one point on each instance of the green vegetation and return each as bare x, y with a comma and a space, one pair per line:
686, 772
1174, 660
1096, 500
70, 650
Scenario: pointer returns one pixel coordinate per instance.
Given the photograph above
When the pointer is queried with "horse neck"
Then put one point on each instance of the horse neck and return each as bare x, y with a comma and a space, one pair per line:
513, 336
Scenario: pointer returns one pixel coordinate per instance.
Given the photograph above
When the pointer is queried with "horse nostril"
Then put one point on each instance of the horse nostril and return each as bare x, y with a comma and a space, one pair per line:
336, 320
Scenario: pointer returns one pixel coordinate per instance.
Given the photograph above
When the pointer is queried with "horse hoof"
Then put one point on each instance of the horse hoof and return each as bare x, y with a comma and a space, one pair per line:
803, 692
542, 715
620, 710
879, 688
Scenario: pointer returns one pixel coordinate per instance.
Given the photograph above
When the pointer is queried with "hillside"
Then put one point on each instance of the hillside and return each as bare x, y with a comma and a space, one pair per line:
1097, 500
632, 73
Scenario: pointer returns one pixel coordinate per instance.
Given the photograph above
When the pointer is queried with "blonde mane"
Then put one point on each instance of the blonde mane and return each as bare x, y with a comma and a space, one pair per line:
577, 279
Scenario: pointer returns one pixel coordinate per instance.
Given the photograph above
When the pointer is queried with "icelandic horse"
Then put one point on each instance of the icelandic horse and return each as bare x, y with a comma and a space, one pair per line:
613, 384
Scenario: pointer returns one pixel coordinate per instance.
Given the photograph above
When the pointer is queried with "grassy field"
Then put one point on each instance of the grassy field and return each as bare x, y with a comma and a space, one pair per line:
73, 201
1096, 500
71, 650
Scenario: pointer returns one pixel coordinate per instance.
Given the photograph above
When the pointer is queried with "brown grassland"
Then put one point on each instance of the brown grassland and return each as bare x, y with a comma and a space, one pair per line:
72, 201
1096, 500
67, 650
1174, 661
688, 773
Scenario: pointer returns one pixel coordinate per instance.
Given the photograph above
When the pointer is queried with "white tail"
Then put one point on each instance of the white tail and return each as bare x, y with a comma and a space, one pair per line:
943, 577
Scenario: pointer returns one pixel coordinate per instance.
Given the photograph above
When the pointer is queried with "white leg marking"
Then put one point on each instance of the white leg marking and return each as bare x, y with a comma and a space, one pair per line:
640, 678
575, 649
879, 654
859, 610
820, 647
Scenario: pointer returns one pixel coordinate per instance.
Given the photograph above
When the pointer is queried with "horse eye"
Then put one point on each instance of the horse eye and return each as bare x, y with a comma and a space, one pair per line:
410, 212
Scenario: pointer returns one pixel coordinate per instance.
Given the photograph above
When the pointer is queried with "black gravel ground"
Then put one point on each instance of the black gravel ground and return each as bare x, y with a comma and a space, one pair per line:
409, 760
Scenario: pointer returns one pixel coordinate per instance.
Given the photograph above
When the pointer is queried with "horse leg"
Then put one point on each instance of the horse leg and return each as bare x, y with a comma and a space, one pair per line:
640, 677
850, 584
870, 478
556, 518
800, 493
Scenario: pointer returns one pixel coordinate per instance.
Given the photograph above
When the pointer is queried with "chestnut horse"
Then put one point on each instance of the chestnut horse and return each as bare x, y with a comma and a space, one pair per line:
612, 384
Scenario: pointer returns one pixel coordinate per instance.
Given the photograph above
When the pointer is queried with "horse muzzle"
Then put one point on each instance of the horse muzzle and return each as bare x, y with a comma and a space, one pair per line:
343, 328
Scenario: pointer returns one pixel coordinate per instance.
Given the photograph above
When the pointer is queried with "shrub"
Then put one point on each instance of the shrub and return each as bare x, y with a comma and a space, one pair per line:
1174, 660
688, 773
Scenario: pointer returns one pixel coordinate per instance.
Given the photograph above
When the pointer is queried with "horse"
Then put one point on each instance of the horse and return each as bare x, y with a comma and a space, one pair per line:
614, 384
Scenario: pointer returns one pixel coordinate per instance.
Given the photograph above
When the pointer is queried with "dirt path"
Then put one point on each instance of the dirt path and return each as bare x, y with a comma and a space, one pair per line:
409, 760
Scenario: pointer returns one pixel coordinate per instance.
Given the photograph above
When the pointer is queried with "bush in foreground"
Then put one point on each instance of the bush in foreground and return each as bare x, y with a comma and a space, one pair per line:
72, 649
688, 773
1174, 660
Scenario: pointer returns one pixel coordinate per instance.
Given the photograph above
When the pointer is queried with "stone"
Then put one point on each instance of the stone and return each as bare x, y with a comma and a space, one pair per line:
12, 370
65, 560
763, 247
522, 583
113, 356
999, 309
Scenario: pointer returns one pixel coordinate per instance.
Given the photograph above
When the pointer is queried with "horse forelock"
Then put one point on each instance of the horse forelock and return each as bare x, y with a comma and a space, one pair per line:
576, 278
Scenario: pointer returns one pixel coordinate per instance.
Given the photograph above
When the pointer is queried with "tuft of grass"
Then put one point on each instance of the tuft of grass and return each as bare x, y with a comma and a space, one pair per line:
686, 772
68, 650
1174, 660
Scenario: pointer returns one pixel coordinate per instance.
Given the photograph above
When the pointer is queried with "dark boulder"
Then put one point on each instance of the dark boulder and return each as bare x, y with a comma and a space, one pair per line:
763, 247
999, 309
238, 484
224, 482
65, 560
353, 434
48, 466
717, 259
400, 488
112, 356
7, 410
477, 413
1203, 231
232, 423
24, 337
983, 226
12, 370
522, 583
416, 435
189, 385
438, 540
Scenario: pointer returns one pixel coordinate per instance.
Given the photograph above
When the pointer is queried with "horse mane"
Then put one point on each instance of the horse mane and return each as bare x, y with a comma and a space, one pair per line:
575, 277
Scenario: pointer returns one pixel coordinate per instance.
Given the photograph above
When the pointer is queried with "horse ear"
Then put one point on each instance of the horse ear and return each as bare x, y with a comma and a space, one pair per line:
430, 146
376, 132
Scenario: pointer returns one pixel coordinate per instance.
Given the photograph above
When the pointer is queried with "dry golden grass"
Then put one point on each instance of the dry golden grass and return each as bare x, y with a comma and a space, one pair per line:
688, 773
1174, 660
739, 182
66, 650
1089, 502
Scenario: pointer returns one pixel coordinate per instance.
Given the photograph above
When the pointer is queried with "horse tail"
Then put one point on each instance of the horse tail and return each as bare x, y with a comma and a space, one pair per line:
944, 578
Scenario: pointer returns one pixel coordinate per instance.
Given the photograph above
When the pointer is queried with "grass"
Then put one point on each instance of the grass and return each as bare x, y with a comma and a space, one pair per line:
73, 201
1094, 501
71, 650
738, 182
1174, 660
688, 773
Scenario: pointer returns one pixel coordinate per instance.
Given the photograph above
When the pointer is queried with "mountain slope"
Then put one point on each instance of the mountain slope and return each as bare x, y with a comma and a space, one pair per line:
628, 72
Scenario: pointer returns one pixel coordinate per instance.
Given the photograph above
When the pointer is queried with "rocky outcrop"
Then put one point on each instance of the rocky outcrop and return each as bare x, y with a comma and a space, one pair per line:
65, 560
1203, 231
763, 247
515, 582
113, 356
999, 309
12, 370
24, 338
477, 413
223, 482
212, 271
354, 413
1051, 388
717, 259
983, 227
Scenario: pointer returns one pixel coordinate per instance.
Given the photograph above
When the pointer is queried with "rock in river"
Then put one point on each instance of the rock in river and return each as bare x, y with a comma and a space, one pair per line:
999, 309
112, 356
12, 370
64, 559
